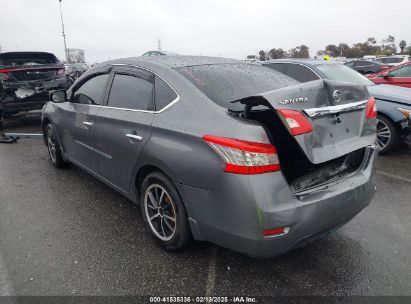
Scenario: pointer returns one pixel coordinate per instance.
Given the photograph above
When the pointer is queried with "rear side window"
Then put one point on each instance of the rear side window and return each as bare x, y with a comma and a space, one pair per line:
131, 92
301, 73
280, 67
92, 91
223, 83
164, 94
391, 59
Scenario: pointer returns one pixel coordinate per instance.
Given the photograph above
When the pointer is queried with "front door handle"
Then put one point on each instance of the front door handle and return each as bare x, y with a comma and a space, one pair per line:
134, 137
87, 123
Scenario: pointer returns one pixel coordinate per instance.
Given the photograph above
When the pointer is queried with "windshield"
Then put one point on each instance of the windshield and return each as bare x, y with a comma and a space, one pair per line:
343, 73
223, 83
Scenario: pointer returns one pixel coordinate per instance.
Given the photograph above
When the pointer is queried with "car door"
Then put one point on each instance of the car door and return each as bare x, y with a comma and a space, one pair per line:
123, 124
400, 76
77, 118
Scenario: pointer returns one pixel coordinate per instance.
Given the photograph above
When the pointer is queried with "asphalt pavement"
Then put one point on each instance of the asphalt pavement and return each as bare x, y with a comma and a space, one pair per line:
62, 232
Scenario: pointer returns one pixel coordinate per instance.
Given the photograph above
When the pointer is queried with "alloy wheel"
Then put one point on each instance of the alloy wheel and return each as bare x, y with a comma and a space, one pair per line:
51, 145
383, 134
160, 212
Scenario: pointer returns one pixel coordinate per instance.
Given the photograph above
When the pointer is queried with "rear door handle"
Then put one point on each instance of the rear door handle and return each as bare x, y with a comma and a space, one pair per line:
134, 136
87, 123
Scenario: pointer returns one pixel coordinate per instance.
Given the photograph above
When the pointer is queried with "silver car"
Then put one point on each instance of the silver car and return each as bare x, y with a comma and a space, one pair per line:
219, 150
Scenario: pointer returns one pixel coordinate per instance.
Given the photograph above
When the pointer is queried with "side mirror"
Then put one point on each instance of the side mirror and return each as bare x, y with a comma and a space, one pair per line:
385, 75
58, 96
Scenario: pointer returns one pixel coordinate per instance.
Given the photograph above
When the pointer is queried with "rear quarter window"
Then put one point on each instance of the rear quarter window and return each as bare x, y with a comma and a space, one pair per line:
164, 94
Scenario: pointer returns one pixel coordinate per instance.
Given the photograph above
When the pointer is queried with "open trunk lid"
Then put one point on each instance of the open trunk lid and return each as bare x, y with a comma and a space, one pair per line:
336, 111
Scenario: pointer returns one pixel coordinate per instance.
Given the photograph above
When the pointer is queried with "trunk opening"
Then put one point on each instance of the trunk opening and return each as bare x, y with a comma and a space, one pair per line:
299, 172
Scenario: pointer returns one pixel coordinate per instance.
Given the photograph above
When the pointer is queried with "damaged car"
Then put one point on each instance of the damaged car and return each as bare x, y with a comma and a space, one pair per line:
26, 79
220, 150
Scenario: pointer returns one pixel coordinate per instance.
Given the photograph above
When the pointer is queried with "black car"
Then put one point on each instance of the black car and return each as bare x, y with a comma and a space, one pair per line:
367, 66
26, 79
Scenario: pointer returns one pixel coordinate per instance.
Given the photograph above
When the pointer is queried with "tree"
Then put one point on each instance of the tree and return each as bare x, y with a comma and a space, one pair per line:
388, 45
332, 50
403, 44
301, 51
262, 55
276, 53
371, 41
341, 48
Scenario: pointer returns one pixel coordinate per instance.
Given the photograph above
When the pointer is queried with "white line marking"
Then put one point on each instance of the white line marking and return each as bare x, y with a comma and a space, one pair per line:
211, 273
5, 286
408, 180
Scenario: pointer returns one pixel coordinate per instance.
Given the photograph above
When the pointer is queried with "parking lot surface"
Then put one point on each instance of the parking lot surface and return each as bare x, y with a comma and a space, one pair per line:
62, 232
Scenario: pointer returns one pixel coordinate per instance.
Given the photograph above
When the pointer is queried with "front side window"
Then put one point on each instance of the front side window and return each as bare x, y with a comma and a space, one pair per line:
391, 59
91, 92
301, 73
404, 71
131, 92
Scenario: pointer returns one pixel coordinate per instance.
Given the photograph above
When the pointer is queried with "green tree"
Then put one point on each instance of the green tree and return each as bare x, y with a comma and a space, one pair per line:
341, 48
301, 51
276, 53
388, 45
403, 44
262, 56
332, 50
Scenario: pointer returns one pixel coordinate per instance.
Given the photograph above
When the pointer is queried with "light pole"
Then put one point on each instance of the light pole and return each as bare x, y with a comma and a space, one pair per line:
64, 35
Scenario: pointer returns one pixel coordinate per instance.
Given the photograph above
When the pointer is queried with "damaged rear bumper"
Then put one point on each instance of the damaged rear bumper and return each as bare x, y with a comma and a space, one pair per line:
235, 215
16, 97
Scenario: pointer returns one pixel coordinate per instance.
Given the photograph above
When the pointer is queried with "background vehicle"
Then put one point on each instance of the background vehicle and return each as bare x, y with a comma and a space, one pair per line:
367, 66
393, 103
159, 53
225, 150
26, 78
398, 76
78, 68
394, 60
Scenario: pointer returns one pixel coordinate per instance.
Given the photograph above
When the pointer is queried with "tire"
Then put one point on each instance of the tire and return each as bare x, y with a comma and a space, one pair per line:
387, 134
171, 235
53, 147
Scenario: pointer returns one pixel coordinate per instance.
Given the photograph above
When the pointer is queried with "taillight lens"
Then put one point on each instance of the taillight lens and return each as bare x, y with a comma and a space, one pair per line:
297, 123
244, 157
371, 108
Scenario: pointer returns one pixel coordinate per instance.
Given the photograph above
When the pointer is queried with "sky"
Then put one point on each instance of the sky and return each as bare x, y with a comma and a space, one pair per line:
108, 29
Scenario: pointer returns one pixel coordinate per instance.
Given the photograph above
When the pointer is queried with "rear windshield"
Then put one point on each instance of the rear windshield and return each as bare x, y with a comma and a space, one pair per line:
223, 83
391, 59
343, 73
15, 59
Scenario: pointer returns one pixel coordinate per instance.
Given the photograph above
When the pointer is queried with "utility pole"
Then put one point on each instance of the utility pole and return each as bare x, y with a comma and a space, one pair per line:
64, 35
159, 44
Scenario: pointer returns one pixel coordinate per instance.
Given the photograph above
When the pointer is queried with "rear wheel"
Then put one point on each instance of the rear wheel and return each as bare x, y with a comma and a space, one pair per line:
387, 134
53, 147
164, 211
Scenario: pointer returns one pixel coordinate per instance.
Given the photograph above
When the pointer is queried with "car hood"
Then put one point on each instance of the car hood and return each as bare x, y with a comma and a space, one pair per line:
391, 93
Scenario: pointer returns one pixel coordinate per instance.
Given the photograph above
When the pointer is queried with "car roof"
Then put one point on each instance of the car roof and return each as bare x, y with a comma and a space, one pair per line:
173, 62
12, 54
308, 62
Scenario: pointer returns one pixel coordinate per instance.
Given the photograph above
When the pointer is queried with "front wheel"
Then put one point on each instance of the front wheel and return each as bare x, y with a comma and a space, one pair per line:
387, 134
164, 211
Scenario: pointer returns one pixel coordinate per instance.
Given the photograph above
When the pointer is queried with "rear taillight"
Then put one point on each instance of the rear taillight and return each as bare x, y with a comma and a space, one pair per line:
244, 157
297, 123
371, 108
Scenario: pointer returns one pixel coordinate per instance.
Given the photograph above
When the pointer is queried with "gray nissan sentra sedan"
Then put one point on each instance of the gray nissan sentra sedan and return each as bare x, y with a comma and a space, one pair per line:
220, 150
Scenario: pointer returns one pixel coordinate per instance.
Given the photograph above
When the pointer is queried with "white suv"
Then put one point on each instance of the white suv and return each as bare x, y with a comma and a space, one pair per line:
395, 60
